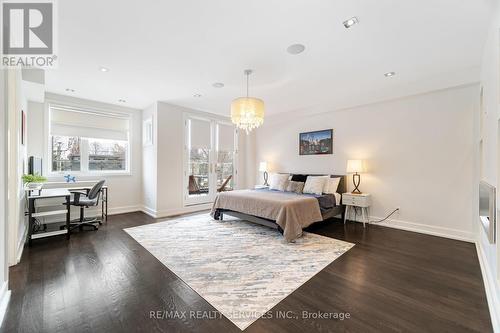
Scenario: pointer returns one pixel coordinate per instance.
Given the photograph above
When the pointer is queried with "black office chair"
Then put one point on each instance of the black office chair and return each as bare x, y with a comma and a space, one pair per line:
90, 199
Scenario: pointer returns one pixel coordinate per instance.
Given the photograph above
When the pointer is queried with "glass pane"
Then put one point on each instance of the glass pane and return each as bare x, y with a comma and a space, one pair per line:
225, 170
107, 155
65, 153
198, 171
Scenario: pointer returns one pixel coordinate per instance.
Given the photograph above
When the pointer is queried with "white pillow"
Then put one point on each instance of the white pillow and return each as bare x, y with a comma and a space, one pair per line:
315, 184
278, 181
331, 185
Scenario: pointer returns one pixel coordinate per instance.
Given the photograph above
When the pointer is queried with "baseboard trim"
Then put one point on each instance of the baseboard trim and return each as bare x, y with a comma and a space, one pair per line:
124, 209
174, 212
4, 300
149, 211
20, 245
427, 229
490, 288
183, 210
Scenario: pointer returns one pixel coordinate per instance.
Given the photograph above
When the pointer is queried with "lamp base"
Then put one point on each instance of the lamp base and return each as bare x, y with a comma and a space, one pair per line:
265, 178
356, 179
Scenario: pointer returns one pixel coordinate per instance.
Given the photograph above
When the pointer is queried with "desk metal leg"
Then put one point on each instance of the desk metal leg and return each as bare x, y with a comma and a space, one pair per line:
31, 209
68, 216
102, 204
106, 205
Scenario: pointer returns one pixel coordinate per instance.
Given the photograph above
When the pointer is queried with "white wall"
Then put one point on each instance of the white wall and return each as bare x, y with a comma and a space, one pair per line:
170, 158
125, 191
4, 272
163, 161
149, 165
247, 162
490, 168
36, 129
16, 102
419, 152
22, 167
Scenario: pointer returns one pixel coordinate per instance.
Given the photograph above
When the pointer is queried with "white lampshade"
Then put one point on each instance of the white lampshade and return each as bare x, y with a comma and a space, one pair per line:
247, 113
263, 167
354, 166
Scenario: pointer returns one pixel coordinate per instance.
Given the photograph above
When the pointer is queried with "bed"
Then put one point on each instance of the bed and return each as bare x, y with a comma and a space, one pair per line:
288, 212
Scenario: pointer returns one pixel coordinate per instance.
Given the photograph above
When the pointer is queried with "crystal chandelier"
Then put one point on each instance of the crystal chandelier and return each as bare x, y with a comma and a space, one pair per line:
247, 112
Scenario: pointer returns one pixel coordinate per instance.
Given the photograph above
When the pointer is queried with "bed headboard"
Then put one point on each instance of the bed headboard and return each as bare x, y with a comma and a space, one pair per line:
342, 184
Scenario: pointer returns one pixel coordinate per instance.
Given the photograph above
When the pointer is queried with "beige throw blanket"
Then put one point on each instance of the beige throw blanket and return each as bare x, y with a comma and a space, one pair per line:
291, 211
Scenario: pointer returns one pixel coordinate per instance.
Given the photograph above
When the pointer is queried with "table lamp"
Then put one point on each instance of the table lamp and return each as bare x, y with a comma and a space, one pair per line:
355, 167
263, 168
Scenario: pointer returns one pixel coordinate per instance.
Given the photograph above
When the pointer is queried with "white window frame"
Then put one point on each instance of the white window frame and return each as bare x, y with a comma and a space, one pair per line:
84, 157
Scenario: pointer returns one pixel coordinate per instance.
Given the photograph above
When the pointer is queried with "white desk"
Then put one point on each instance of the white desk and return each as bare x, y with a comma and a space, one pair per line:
84, 185
32, 215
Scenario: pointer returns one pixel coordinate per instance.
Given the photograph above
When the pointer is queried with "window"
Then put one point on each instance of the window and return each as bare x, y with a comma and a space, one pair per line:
65, 153
225, 169
198, 170
88, 141
225, 139
107, 154
210, 158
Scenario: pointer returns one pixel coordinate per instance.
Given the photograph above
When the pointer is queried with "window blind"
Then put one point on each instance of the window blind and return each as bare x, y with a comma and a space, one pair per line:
69, 121
226, 137
200, 133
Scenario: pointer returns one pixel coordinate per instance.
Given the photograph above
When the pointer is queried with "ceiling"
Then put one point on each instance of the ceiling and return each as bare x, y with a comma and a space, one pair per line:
171, 50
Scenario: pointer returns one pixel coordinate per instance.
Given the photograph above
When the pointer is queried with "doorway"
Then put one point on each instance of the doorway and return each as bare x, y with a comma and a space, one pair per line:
209, 159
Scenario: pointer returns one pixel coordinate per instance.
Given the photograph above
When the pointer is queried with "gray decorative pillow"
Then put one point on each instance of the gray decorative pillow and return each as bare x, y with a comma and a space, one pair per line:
296, 187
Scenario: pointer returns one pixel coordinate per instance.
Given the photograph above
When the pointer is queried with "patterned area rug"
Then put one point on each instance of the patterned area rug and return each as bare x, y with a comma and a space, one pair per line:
242, 269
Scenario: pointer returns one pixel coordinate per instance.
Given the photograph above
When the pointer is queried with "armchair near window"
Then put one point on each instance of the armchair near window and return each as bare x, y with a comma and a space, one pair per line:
84, 200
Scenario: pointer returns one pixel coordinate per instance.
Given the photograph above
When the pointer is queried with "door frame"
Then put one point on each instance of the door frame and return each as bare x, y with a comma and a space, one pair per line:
213, 120
14, 186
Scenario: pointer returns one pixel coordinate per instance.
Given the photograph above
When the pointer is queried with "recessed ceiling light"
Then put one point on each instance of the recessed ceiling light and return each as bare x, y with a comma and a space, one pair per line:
122, 101
350, 22
218, 85
197, 95
70, 90
103, 69
296, 48
389, 74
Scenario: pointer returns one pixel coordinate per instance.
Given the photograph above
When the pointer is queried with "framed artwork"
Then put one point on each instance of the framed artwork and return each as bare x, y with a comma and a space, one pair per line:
316, 143
23, 127
147, 131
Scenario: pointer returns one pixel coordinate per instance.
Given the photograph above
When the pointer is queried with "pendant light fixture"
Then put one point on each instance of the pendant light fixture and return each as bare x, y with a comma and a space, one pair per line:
247, 112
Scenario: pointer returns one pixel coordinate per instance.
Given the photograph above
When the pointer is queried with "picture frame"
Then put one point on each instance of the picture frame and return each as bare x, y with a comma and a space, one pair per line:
23, 127
316, 142
147, 131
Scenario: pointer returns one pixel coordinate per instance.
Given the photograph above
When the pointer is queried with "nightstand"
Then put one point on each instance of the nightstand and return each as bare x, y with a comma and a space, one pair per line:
362, 200
261, 187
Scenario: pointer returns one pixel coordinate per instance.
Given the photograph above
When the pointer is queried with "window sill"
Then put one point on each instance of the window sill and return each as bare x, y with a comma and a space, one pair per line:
87, 175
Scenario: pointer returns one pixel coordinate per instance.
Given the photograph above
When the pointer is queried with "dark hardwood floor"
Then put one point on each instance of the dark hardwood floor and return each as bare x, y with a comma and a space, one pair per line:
391, 281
